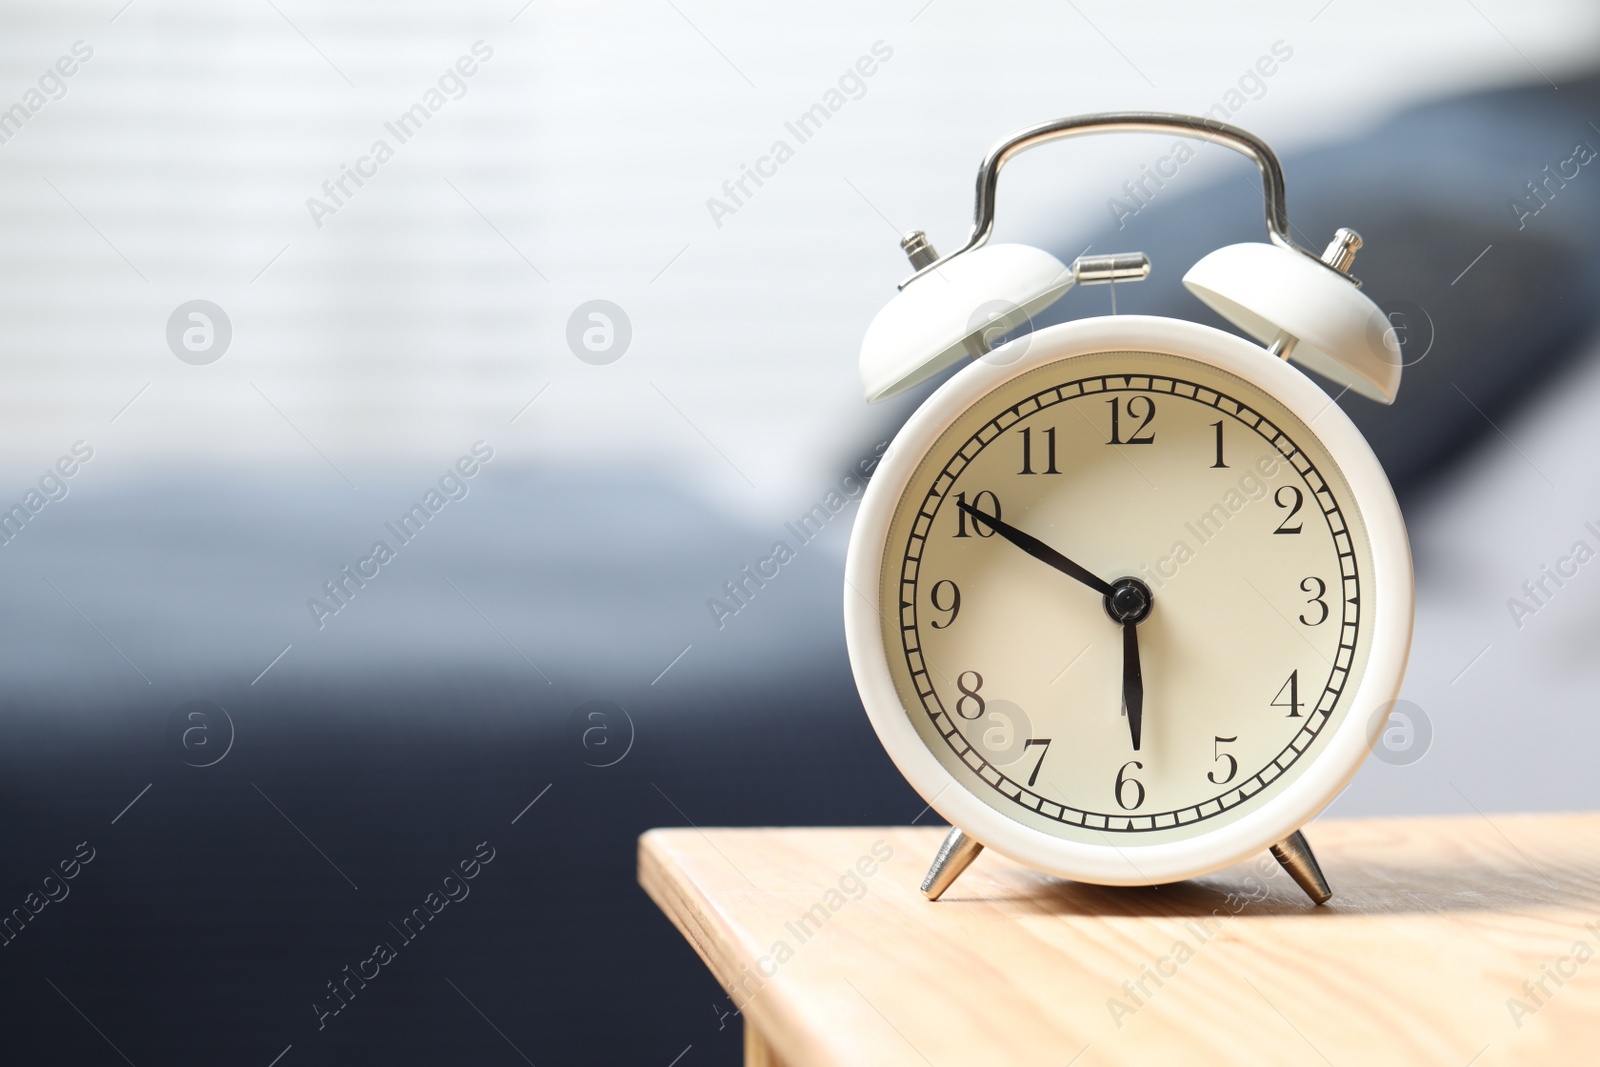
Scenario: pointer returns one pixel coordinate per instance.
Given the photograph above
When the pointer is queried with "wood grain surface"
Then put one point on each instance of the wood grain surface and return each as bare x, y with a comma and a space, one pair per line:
1455, 941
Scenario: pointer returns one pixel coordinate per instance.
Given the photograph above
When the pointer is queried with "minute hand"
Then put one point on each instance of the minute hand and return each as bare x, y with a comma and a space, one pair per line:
1037, 549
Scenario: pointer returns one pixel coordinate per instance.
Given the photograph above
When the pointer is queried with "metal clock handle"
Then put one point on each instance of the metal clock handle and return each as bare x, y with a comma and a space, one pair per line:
1241, 141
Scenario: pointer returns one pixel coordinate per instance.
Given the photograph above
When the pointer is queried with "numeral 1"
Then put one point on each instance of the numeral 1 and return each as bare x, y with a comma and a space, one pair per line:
1218, 463
1027, 451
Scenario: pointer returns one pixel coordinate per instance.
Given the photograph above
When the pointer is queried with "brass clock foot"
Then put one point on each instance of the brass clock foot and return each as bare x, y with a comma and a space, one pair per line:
1295, 854
955, 856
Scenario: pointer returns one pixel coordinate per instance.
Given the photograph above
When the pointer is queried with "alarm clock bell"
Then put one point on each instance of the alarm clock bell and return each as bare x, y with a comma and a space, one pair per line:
1299, 305
1303, 306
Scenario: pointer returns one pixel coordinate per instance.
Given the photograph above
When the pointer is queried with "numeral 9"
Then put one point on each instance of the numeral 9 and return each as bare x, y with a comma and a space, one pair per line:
952, 595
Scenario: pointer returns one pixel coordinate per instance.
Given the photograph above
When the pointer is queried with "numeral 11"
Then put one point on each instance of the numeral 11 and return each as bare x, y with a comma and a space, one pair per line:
1027, 451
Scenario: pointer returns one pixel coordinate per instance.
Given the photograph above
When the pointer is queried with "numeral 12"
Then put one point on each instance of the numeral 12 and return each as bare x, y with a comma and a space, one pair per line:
1147, 416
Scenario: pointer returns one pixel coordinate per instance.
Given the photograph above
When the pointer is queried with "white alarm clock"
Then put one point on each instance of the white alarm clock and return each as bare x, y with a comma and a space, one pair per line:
1128, 597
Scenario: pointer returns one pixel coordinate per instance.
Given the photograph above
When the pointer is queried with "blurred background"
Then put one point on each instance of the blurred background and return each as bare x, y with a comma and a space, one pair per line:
272, 273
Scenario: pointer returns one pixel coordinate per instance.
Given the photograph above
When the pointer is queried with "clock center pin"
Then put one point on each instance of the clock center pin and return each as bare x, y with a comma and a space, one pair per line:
1130, 600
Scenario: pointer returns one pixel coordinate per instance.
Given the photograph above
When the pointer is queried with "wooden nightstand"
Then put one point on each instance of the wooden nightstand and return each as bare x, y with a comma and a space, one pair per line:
1459, 940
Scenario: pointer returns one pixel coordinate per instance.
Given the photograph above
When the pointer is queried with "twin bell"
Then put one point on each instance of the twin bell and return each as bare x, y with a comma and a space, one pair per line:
1300, 305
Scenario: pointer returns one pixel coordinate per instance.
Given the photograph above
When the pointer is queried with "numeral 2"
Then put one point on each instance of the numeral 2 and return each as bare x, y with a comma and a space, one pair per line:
1294, 509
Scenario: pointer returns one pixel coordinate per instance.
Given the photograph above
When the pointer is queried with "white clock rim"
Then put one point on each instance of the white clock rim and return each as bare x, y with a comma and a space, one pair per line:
1388, 595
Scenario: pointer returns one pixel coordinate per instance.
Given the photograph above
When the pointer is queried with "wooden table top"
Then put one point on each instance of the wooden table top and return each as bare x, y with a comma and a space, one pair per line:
1458, 940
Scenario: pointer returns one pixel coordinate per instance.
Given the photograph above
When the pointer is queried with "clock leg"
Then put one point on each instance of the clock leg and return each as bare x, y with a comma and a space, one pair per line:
955, 856
1294, 853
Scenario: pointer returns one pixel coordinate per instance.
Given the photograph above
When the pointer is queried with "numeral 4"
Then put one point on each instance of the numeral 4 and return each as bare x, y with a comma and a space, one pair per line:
1292, 687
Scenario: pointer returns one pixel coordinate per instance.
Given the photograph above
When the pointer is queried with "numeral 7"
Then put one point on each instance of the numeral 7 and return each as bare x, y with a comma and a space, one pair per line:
1044, 743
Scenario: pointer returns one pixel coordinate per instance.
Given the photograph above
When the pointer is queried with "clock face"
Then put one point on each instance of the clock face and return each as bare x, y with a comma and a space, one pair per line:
1239, 569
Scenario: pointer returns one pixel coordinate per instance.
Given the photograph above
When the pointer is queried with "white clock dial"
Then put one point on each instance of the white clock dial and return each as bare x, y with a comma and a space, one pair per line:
1214, 499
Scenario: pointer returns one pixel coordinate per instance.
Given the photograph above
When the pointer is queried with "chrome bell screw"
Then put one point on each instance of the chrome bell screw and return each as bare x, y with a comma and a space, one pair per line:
920, 251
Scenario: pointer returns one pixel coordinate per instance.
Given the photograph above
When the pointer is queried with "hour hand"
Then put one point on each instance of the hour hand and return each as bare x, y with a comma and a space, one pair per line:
1037, 549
